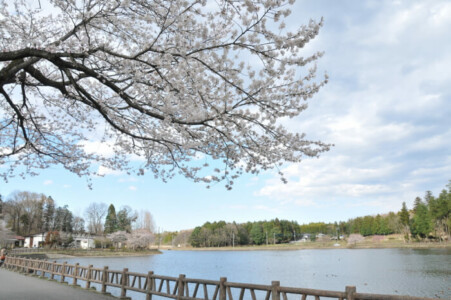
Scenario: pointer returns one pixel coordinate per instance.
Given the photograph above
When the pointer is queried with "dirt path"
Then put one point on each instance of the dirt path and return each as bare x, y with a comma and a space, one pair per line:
16, 286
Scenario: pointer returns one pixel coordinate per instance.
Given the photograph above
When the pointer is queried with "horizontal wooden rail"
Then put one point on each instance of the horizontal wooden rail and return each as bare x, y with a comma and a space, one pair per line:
180, 288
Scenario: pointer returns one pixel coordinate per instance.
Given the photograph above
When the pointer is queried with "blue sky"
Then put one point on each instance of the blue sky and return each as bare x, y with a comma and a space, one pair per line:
387, 109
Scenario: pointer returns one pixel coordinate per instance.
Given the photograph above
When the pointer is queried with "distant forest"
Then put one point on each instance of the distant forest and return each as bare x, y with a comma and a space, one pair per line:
429, 218
28, 213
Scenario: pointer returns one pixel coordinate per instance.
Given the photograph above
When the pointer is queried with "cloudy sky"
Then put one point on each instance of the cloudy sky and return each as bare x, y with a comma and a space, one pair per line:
386, 108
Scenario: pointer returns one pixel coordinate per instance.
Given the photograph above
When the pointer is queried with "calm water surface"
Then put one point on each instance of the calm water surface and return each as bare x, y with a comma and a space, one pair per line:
415, 272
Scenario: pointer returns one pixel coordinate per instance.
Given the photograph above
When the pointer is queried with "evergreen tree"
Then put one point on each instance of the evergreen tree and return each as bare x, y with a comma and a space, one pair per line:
111, 220
67, 221
428, 197
417, 203
256, 234
393, 223
243, 235
440, 209
421, 224
368, 225
404, 215
125, 217
40, 214
48, 214
195, 239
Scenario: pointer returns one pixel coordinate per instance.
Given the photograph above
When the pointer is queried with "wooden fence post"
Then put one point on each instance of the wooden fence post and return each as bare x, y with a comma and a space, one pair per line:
13, 263
24, 266
350, 291
124, 283
222, 288
149, 286
104, 279
43, 268
275, 290
63, 270
52, 277
29, 265
88, 277
34, 266
21, 265
181, 286
38, 266
74, 282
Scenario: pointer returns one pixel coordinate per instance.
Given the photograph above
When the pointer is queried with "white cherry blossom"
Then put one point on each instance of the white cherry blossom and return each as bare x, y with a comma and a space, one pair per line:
167, 81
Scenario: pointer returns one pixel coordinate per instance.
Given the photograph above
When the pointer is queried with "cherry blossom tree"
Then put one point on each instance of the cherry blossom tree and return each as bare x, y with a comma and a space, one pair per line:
118, 237
194, 87
140, 239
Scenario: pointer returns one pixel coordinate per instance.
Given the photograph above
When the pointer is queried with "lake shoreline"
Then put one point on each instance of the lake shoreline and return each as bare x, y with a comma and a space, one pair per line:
319, 246
89, 253
277, 247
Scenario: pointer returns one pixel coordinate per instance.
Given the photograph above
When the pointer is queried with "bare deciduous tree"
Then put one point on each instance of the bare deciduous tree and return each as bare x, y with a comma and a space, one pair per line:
24, 212
182, 238
95, 214
168, 81
78, 225
145, 221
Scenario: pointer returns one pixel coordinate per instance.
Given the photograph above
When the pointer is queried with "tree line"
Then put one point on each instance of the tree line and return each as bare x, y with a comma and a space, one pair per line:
26, 213
220, 233
429, 218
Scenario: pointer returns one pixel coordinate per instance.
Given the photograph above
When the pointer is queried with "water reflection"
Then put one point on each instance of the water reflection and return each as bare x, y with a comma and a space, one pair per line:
416, 272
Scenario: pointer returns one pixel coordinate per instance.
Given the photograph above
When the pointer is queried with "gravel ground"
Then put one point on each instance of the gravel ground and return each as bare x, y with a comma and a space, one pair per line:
16, 286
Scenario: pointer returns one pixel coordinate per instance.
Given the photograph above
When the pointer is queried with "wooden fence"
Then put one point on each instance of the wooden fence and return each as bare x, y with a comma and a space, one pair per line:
180, 288
36, 250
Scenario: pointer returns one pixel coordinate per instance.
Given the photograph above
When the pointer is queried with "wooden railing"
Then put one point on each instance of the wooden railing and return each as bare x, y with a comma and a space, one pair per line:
180, 288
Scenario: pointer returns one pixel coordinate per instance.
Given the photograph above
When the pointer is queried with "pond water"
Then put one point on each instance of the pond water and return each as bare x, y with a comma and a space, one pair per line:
414, 272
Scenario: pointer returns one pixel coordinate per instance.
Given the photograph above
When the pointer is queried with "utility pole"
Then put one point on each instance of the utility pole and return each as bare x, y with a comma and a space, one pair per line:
266, 238
233, 239
274, 238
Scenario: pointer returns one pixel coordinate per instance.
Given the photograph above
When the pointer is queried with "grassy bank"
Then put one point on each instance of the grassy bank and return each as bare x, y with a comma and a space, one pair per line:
371, 242
57, 253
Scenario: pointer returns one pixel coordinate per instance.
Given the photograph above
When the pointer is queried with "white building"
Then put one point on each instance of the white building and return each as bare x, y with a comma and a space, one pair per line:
34, 241
84, 242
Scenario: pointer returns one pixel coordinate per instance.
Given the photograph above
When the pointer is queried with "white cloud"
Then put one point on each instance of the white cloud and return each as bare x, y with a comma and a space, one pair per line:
97, 147
386, 109
48, 182
128, 179
106, 149
132, 188
102, 171
67, 186
436, 141
305, 203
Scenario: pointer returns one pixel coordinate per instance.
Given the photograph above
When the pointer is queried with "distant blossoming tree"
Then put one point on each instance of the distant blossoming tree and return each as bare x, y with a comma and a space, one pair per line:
118, 237
140, 239
192, 87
